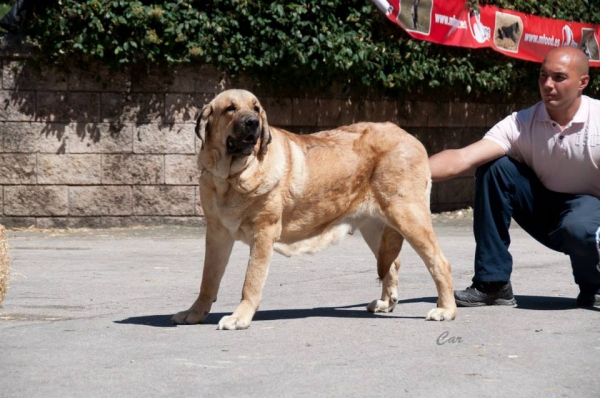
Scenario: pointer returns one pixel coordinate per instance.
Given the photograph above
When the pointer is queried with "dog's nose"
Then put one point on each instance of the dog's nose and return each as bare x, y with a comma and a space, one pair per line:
252, 123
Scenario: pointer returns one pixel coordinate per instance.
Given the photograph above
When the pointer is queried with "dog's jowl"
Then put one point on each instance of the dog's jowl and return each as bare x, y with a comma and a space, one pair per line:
275, 190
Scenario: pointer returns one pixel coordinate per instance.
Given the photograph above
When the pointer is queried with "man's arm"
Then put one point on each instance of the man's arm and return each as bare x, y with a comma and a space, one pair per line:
455, 162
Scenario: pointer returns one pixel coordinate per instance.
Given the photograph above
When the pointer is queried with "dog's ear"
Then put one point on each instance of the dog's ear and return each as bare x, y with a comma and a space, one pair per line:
265, 133
202, 123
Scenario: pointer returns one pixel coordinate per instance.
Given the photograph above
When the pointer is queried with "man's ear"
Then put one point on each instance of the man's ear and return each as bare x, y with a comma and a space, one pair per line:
265, 133
585, 80
202, 124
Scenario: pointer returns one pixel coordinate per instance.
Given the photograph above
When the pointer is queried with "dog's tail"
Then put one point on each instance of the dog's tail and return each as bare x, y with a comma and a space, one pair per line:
389, 249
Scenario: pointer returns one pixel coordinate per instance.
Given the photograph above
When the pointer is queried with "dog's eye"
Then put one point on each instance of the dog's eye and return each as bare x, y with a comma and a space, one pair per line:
230, 109
256, 109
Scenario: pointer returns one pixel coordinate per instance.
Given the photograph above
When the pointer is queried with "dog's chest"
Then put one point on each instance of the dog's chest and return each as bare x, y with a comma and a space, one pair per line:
230, 211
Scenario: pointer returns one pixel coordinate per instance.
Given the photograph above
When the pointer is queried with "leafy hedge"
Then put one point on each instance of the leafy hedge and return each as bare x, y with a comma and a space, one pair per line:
300, 41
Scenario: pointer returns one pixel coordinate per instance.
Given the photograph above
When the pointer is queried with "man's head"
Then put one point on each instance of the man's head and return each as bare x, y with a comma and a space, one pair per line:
563, 76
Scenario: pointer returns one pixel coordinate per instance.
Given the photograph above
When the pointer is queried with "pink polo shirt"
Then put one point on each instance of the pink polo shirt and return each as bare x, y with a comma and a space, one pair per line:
564, 161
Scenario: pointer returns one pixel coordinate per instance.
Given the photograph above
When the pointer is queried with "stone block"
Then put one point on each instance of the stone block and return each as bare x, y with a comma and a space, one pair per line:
471, 135
100, 138
154, 80
38, 200
209, 80
459, 114
18, 106
52, 223
100, 201
498, 112
132, 108
412, 113
457, 192
438, 114
53, 106
28, 137
184, 108
84, 107
164, 200
176, 79
168, 138
87, 222
18, 222
279, 110
423, 135
8, 74
69, 169
181, 170
305, 112
20, 75
352, 111
133, 169
98, 78
133, 221
477, 114
441, 138
113, 107
17, 169
381, 111
329, 113
182, 78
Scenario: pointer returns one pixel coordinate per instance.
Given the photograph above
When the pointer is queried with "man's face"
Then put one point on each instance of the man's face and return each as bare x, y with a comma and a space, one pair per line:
560, 82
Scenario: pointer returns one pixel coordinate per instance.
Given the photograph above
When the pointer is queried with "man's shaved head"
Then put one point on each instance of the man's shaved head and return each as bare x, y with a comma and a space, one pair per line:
576, 58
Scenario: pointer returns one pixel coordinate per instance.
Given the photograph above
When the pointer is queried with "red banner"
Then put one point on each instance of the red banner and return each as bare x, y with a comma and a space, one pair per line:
512, 33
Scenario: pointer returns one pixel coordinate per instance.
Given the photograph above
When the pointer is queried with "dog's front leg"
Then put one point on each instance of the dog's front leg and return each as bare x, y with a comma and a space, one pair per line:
219, 244
261, 250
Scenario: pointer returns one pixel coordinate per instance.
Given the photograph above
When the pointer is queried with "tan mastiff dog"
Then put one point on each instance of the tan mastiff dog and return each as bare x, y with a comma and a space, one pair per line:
275, 190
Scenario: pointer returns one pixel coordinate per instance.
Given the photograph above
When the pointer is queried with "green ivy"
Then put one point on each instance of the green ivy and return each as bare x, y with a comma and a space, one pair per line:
309, 42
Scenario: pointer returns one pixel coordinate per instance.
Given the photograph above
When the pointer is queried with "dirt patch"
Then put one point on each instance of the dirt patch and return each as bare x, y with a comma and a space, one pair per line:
459, 217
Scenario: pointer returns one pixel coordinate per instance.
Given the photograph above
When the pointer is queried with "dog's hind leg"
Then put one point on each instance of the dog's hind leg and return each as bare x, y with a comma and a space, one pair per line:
385, 244
413, 221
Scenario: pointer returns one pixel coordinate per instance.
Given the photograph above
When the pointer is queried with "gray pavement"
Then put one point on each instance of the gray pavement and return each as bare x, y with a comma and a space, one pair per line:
88, 314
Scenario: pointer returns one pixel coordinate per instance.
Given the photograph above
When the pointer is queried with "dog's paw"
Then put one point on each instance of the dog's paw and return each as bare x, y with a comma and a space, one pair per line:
232, 323
383, 306
188, 317
441, 314
379, 306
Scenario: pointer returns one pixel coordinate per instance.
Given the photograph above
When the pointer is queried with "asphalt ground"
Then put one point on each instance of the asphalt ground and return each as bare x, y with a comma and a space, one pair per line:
88, 314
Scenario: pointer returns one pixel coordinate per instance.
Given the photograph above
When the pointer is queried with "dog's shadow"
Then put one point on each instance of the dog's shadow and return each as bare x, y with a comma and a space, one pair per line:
350, 311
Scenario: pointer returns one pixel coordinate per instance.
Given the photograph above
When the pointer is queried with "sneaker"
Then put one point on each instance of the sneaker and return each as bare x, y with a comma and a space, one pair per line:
588, 297
485, 293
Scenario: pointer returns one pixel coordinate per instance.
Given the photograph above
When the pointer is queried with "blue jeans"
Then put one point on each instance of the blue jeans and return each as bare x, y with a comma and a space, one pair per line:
567, 223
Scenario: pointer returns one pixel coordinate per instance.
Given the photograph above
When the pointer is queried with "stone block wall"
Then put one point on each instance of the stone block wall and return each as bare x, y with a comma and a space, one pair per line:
97, 148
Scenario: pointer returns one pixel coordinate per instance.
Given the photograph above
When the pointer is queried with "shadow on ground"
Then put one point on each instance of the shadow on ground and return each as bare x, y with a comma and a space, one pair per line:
546, 303
350, 311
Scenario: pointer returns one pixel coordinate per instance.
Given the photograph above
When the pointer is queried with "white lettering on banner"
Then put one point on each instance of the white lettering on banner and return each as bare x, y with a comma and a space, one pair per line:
384, 6
567, 34
450, 21
543, 39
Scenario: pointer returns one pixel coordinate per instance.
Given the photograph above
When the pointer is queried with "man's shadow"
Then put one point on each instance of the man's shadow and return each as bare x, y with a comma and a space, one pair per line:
350, 311
547, 303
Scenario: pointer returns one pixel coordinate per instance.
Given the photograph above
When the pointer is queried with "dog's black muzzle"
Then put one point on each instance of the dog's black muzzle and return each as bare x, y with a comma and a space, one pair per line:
245, 135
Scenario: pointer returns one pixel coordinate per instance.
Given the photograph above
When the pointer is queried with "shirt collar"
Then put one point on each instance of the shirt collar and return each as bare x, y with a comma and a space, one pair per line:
580, 117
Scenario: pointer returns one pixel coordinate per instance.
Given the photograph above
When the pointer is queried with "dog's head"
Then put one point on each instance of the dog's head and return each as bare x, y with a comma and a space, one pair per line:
237, 122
